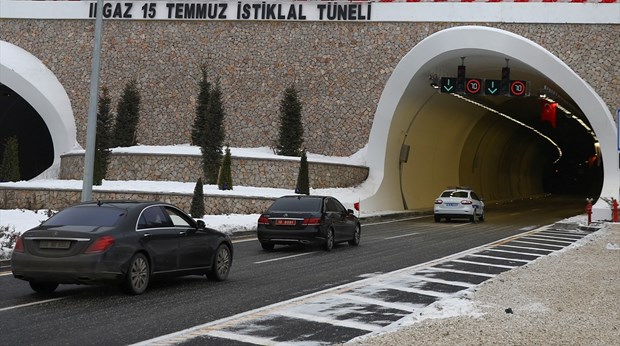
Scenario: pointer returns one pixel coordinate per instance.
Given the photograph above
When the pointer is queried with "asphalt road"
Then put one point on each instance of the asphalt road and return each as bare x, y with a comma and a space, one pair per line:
106, 316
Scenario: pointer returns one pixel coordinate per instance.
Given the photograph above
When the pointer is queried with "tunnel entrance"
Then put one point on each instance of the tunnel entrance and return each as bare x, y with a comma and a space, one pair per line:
35, 108
500, 146
20, 120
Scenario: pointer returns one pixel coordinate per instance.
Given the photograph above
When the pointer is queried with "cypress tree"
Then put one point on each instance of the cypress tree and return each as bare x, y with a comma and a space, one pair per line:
225, 180
303, 178
103, 140
197, 208
291, 129
127, 116
211, 148
9, 169
200, 119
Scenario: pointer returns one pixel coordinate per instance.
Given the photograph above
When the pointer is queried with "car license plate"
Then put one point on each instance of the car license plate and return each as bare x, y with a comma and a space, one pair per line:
452, 204
281, 222
54, 244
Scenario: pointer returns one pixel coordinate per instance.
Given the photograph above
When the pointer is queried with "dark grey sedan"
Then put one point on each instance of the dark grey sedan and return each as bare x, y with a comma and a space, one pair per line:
301, 219
127, 242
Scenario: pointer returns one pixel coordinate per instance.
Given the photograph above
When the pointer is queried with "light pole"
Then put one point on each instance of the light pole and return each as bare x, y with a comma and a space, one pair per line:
91, 126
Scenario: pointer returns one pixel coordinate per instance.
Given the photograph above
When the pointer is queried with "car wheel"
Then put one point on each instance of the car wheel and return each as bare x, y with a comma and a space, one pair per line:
356, 236
437, 218
481, 217
267, 246
472, 217
43, 287
329, 240
221, 264
138, 274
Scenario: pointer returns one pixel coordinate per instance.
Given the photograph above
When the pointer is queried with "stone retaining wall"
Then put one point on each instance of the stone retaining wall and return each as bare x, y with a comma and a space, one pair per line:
34, 199
339, 68
246, 171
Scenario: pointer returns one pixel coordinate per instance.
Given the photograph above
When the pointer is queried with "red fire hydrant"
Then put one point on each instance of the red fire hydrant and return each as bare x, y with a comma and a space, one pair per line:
589, 210
614, 210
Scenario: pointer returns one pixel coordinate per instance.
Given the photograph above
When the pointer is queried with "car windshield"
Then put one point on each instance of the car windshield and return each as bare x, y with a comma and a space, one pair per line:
86, 216
296, 204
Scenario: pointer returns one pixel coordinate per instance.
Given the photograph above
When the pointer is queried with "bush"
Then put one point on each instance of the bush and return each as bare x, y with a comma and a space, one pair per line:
103, 140
9, 168
303, 179
127, 116
8, 237
197, 209
291, 136
211, 148
200, 119
225, 178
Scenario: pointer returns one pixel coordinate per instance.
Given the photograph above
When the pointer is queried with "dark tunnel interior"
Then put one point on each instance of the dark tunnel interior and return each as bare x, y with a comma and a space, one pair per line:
21, 120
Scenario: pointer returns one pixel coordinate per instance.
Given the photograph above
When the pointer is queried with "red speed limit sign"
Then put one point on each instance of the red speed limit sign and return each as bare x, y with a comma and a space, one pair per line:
518, 88
473, 86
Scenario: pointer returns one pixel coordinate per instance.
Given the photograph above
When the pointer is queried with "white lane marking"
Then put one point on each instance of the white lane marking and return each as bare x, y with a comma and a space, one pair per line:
517, 252
416, 291
445, 282
332, 321
244, 240
535, 243
483, 264
554, 239
501, 258
285, 257
462, 272
236, 337
460, 225
5, 274
400, 236
392, 221
30, 304
395, 306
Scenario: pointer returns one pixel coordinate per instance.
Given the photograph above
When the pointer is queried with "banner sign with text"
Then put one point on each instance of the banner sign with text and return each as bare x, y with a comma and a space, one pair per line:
343, 11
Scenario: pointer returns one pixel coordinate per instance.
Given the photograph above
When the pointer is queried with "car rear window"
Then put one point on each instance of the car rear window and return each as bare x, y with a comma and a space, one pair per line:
297, 204
86, 216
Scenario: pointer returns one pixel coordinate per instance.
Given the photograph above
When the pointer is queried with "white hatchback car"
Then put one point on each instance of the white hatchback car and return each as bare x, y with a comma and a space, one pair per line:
458, 202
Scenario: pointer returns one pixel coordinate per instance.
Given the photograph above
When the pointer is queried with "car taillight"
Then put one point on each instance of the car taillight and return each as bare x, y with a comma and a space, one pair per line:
101, 244
312, 221
263, 220
438, 201
19, 244
466, 201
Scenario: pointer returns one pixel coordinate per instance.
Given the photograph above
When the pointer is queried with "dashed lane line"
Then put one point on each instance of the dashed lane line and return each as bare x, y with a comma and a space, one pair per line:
400, 236
30, 304
285, 257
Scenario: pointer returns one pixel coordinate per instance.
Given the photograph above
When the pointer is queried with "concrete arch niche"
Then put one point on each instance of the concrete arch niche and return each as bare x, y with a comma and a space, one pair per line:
404, 98
33, 81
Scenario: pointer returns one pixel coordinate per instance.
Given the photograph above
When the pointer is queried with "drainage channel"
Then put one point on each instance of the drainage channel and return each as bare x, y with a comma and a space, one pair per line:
340, 314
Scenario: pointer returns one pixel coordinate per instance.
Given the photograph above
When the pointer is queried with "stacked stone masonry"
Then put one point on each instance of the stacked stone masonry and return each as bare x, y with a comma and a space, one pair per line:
246, 171
339, 68
34, 199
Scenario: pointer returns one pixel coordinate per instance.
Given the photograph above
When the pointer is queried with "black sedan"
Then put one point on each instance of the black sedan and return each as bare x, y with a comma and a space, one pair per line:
307, 220
127, 242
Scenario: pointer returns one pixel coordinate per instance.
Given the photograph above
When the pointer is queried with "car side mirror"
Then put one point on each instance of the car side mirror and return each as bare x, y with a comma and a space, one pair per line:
350, 211
201, 224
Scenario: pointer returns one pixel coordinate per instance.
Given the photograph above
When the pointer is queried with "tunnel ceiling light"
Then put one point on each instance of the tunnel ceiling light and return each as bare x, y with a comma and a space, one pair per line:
513, 120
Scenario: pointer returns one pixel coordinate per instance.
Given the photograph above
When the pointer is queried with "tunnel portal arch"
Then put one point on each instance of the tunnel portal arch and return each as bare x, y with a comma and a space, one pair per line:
26, 75
386, 133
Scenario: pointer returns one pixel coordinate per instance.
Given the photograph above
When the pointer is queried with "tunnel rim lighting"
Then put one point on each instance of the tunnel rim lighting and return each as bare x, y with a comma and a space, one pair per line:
476, 103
